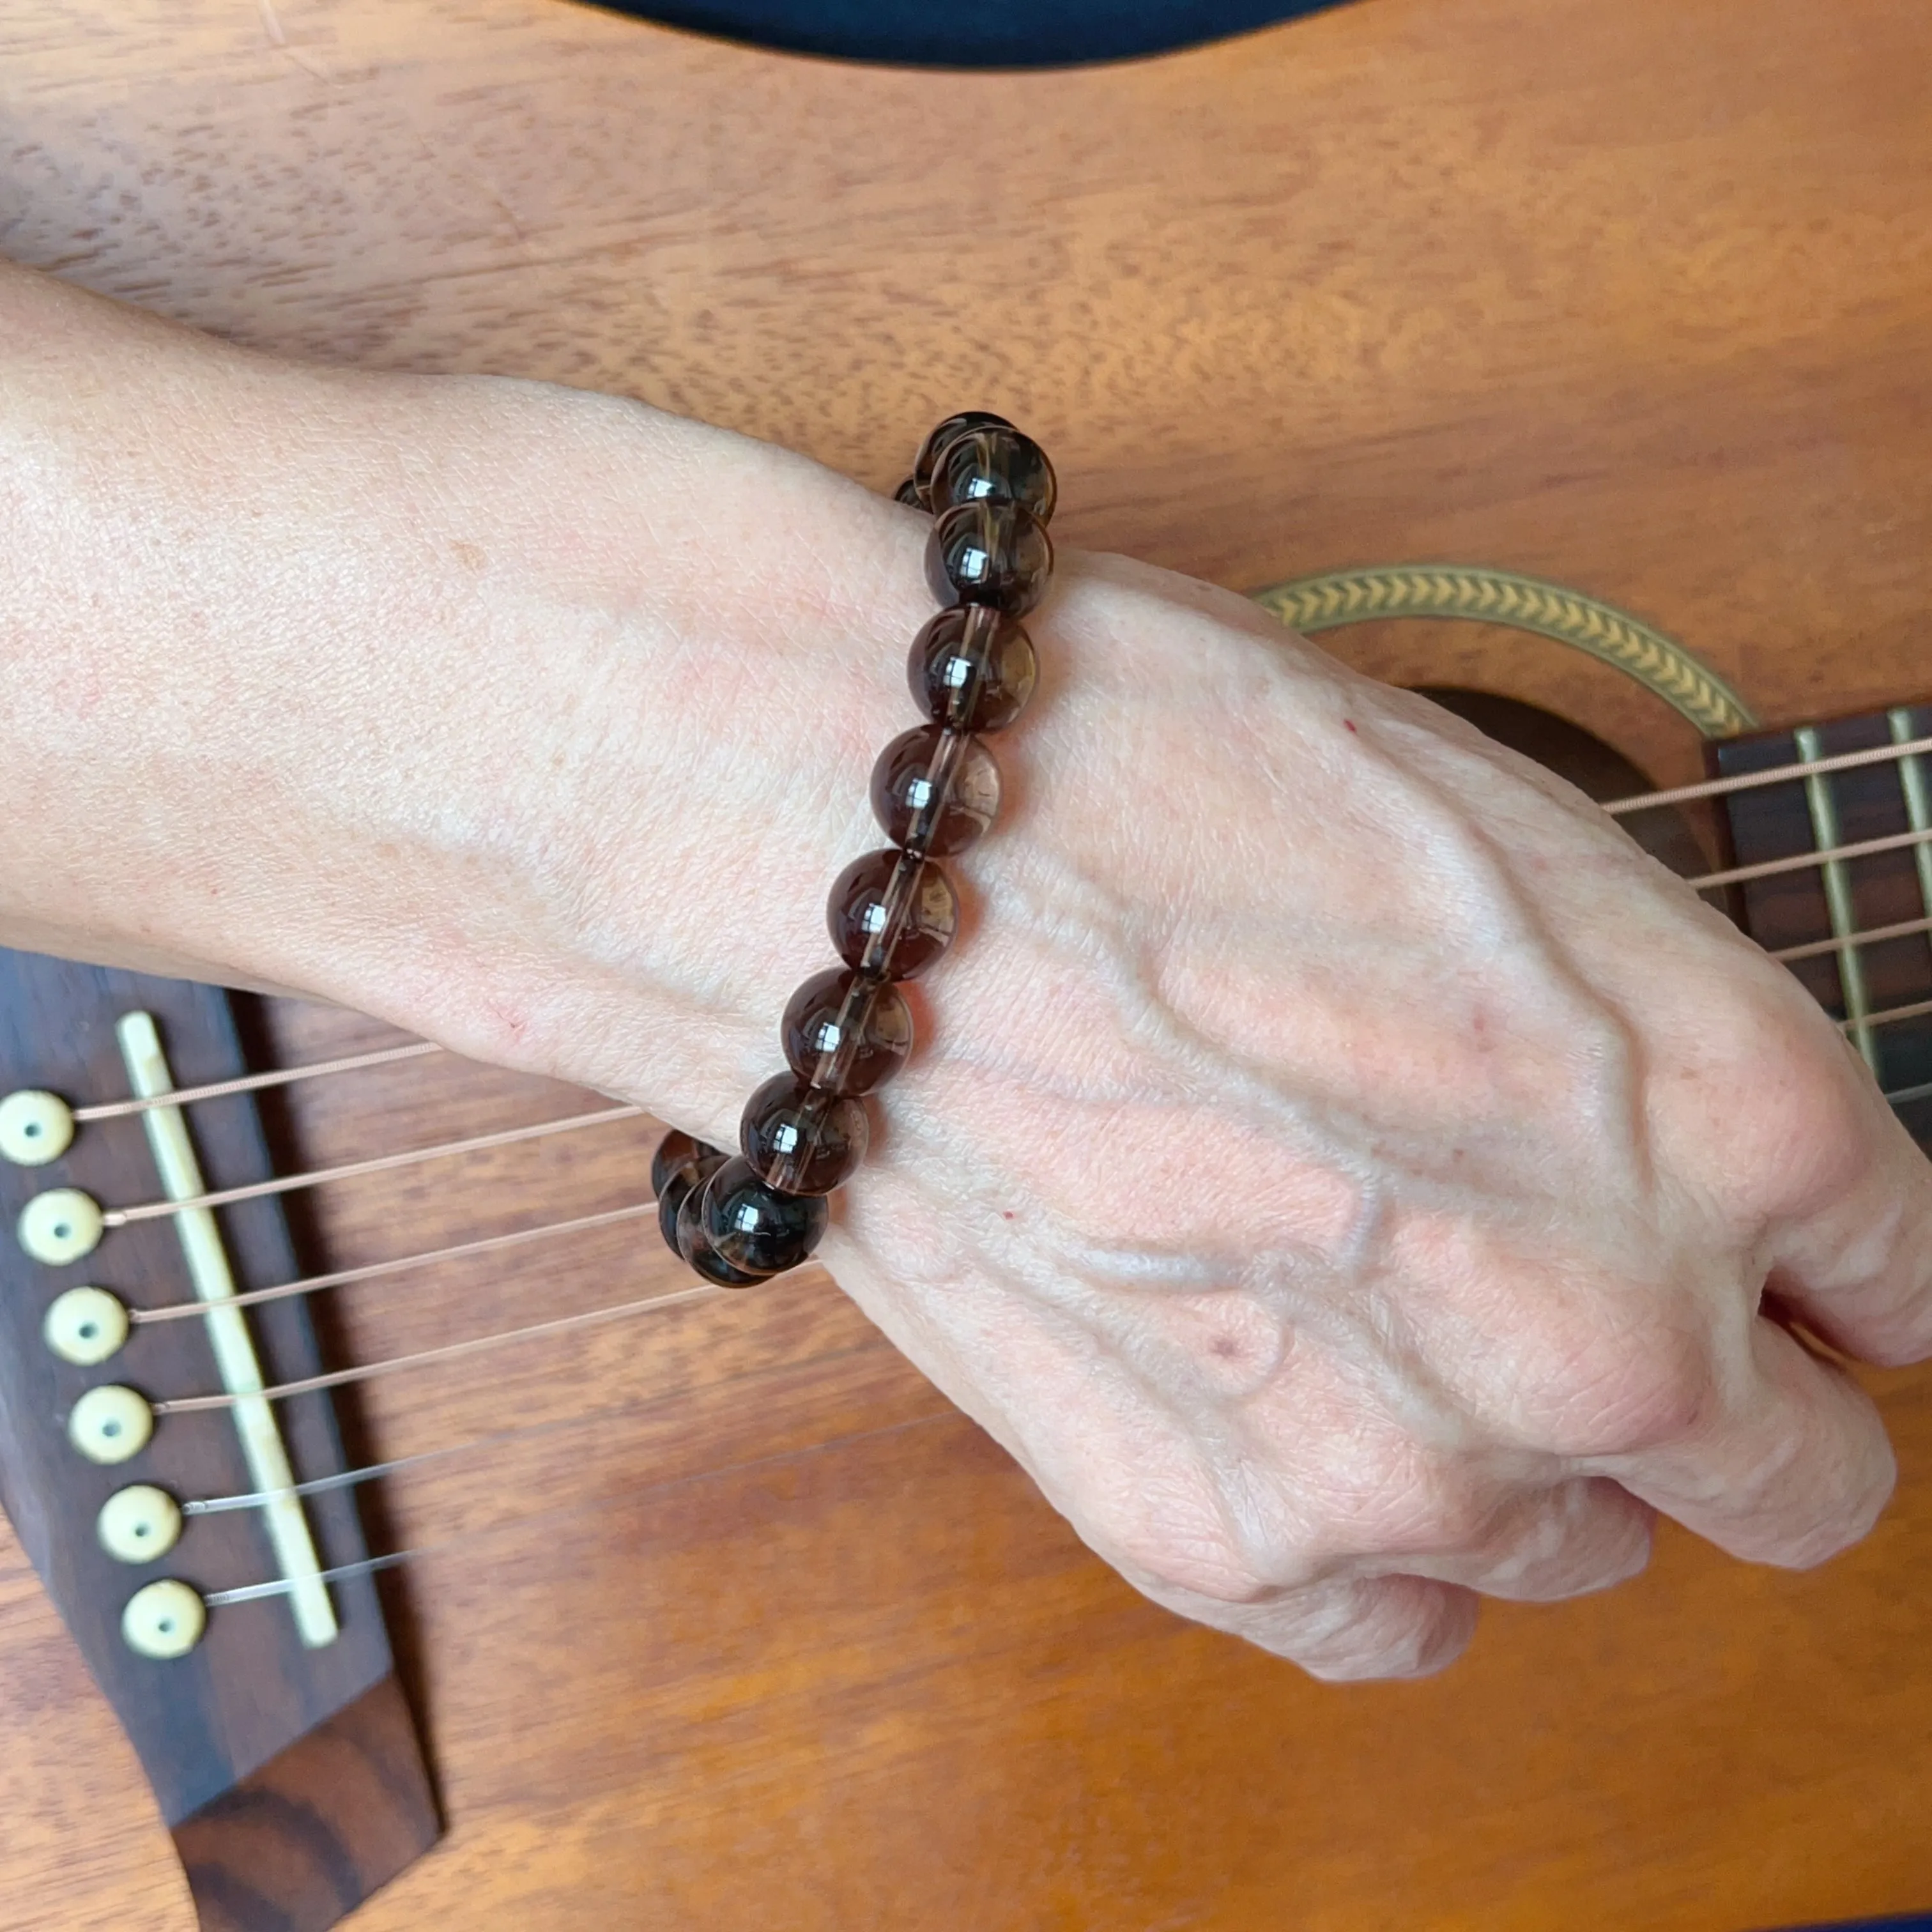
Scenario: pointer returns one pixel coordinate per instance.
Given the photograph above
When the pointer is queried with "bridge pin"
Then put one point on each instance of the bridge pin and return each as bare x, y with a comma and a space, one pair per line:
34, 1128
85, 1326
164, 1620
140, 1524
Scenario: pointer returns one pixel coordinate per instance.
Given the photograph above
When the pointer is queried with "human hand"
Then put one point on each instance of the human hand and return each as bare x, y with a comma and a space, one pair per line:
1339, 1165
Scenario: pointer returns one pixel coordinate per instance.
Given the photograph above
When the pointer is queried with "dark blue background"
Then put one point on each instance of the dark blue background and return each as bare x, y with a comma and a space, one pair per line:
971, 33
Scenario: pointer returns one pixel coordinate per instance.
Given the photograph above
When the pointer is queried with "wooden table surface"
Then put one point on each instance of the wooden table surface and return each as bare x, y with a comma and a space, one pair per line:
1639, 297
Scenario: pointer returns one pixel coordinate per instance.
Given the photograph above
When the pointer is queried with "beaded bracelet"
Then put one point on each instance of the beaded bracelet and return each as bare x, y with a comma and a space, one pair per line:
739, 1219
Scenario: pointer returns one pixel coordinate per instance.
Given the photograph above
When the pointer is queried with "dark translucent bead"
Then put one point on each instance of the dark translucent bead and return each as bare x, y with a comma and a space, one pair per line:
972, 669
993, 465
679, 1164
939, 436
674, 1151
935, 791
995, 554
907, 493
754, 1228
693, 1244
846, 1033
799, 1138
892, 913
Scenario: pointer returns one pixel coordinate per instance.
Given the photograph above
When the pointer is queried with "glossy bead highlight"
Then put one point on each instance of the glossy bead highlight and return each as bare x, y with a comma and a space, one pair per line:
694, 1246
801, 1139
846, 1033
891, 913
754, 1228
934, 447
935, 791
995, 554
972, 669
989, 465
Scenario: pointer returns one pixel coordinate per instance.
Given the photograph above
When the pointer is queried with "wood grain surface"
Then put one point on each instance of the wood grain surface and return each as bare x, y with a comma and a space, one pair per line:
740, 1625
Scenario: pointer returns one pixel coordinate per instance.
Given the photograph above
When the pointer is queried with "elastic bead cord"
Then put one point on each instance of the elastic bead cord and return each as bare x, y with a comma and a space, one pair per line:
740, 1218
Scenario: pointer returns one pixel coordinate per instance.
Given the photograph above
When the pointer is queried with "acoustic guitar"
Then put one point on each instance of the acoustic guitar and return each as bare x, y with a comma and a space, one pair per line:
425, 1553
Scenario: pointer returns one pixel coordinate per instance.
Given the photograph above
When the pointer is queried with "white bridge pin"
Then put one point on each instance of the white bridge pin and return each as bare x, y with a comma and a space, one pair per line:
61, 1226
110, 1424
85, 1326
34, 1128
164, 1620
139, 1524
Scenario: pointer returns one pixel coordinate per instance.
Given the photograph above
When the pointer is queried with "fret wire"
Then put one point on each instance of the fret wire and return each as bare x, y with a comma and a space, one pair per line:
449, 1352
186, 1311
254, 1083
1839, 761
1865, 848
1871, 935
283, 1184
253, 1593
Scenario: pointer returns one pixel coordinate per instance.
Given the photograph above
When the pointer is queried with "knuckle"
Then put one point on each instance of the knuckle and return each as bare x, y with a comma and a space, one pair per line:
1802, 1134
1404, 1627
1624, 1400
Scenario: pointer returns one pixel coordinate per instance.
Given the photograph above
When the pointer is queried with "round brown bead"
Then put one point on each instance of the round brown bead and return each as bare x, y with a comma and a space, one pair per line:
801, 1139
939, 436
754, 1228
694, 1246
891, 913
987, 552
993, 465
846, 1033
679, 1164
935, 791
972, 669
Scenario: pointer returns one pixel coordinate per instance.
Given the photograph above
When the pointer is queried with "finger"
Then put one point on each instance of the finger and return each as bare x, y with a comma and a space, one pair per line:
1577, 1536
1795, 1469
1346, 1629
1858, 1268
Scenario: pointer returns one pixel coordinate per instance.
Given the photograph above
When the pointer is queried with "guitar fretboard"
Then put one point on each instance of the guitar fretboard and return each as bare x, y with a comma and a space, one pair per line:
1857, 926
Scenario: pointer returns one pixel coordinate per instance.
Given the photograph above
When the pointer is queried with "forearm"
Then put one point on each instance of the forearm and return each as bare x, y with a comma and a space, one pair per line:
289, 654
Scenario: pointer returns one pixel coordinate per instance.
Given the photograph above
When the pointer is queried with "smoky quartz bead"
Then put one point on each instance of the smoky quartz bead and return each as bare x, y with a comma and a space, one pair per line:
693, 1244
988, 553
935, 791
845, 1032
801, 1139
972, 669
891, 913
990, 465
934, 447
680, 1164
752, 1227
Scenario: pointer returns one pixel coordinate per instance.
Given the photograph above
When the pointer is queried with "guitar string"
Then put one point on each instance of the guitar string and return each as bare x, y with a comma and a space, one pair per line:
447, 1352
254, 1083
1839, 761
252, 1593
1798, 861
1872, 935
179, 1311
286, 1183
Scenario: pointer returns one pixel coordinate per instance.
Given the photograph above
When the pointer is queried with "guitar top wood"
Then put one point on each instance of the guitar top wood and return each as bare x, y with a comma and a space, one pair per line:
1634, 298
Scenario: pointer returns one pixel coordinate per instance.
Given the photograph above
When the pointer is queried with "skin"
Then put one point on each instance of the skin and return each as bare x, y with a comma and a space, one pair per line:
1348, 1175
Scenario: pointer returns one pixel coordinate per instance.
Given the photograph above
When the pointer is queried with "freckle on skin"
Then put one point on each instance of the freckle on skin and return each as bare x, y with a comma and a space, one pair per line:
1008, 1212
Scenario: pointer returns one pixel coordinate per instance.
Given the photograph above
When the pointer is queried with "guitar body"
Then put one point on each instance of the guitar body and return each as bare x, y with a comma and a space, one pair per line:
760, 1632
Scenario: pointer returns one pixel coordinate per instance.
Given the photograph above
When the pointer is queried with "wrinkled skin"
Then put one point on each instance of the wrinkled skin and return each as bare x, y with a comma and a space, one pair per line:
1345, 1172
